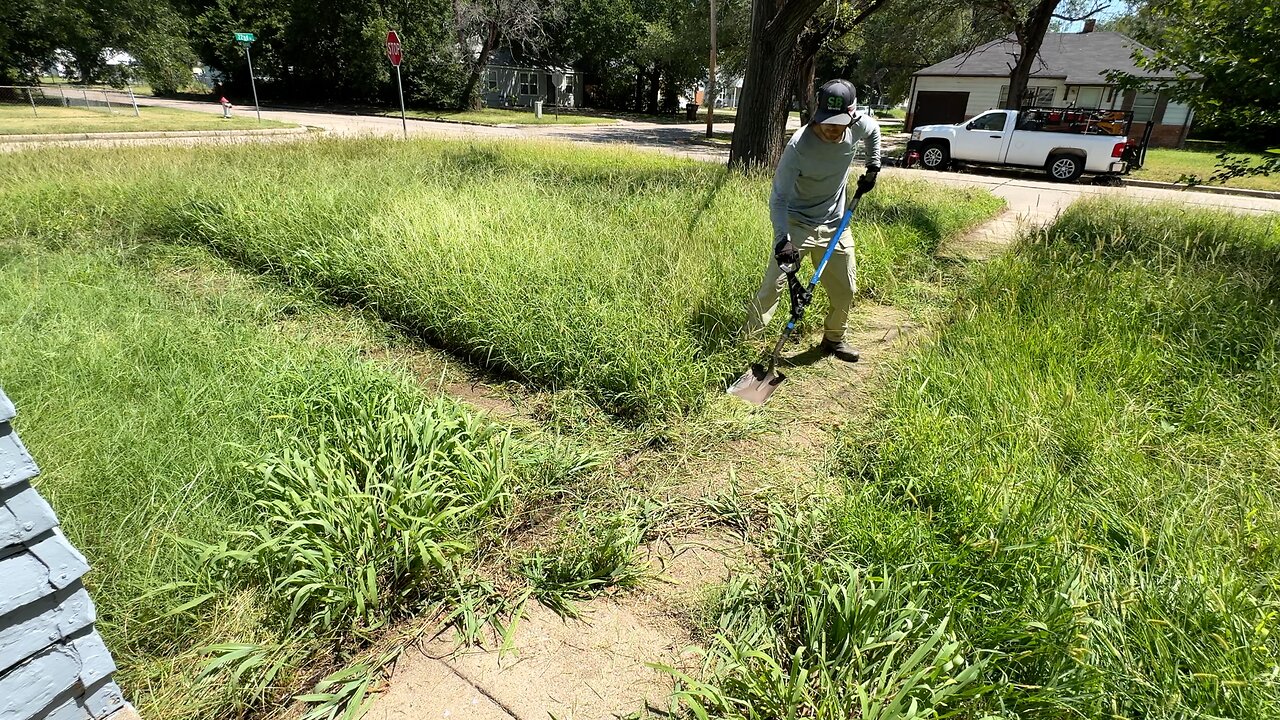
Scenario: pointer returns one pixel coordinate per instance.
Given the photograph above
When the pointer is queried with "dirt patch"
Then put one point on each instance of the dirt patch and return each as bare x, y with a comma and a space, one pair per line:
688, 565
589, 668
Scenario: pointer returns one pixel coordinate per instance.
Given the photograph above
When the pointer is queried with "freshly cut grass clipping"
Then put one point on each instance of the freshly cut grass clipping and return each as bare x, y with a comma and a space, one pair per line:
619, 274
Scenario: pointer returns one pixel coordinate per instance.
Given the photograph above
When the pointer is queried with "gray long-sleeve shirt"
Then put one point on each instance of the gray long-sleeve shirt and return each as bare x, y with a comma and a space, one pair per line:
809, 184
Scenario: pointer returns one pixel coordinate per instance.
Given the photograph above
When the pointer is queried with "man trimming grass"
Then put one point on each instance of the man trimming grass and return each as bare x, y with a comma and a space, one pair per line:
806, 204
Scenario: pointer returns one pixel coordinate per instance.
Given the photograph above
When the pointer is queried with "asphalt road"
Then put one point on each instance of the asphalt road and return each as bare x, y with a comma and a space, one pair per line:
1032, 200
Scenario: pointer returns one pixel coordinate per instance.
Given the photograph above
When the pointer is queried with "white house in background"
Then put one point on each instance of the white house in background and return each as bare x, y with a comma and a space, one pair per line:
1070, 72
511, 82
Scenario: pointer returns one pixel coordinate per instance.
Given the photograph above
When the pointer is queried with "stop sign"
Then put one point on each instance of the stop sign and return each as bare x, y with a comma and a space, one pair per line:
393, 47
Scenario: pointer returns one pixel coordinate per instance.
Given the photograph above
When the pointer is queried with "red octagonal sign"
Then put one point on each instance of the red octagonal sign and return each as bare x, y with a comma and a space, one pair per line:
393, 47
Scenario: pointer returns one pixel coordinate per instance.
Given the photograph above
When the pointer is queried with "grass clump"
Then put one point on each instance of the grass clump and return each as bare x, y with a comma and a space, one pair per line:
324, 498
588, 559
618, 274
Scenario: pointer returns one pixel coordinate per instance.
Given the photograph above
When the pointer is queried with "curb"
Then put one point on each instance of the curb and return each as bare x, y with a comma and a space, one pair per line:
1214, 189
148, 134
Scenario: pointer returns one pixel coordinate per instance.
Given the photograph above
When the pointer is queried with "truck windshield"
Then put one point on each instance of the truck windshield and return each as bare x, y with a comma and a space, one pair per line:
993, 122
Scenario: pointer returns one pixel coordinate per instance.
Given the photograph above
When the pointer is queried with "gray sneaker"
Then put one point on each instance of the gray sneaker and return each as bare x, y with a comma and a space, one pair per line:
841, 349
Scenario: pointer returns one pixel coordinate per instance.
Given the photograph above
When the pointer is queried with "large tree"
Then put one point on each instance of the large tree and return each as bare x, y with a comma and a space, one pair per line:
775, 59
484, 25
1029, 21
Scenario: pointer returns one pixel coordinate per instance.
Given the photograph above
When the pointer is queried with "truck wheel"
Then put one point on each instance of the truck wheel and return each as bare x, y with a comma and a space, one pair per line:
1065, 168
935, 156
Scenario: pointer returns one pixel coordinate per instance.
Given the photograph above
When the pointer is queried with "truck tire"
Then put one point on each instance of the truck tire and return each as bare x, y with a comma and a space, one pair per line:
1064, 168
935, 156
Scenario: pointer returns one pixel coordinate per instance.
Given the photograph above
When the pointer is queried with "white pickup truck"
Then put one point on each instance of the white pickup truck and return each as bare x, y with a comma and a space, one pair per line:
1063, 142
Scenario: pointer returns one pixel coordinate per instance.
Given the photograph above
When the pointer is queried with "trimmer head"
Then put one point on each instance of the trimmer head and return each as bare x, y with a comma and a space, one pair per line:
757, 384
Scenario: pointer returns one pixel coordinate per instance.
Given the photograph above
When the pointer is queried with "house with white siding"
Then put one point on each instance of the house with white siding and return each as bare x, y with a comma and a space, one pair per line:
514, 82
1071, 71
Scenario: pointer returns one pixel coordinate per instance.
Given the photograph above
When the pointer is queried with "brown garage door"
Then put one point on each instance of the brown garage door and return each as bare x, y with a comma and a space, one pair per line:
934, 108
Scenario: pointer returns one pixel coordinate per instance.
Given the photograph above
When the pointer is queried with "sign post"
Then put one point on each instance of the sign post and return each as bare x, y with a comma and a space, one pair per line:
394, 55
711, 75
246, 39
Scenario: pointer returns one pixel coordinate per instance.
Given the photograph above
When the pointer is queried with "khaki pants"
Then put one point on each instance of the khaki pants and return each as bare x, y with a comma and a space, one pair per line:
839, 279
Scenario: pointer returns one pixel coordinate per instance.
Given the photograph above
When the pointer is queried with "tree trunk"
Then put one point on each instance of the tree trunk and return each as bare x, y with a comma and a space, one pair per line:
760, 130
470, 97
1030, 36
638, 102
806, 67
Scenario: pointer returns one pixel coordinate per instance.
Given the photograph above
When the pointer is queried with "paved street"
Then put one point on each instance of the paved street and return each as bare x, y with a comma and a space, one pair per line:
1032, 200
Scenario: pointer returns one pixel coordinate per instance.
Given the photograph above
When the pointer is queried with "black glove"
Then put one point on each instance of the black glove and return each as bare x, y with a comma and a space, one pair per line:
868, 180
786, 254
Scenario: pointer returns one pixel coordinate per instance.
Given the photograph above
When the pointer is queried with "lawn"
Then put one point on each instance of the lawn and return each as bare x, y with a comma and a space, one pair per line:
500, 116
1065, 506
174, 406
1169, 165
617, 276
18, 120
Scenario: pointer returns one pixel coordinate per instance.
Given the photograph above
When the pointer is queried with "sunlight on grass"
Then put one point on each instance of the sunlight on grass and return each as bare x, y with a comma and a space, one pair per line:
18, 120
501, 116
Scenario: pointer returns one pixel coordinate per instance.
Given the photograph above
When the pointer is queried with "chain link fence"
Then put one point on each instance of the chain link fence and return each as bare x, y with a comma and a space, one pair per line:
68, 99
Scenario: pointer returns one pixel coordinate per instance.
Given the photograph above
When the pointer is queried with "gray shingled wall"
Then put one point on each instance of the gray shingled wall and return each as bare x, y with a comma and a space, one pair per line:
53, 664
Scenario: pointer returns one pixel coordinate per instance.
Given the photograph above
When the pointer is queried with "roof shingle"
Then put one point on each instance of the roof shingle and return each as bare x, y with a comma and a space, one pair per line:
1077, 58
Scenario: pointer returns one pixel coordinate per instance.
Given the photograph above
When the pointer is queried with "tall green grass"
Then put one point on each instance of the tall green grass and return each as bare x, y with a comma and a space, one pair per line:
1080, 472
617, 274
255, 505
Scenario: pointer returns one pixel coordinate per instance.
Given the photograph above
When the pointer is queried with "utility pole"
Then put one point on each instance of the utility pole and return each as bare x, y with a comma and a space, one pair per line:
711, 76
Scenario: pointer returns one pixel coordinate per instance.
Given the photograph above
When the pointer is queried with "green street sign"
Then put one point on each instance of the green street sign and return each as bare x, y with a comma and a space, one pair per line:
244, 37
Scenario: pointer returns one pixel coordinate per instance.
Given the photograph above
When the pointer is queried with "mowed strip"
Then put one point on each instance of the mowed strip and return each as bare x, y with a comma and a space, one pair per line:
19, 120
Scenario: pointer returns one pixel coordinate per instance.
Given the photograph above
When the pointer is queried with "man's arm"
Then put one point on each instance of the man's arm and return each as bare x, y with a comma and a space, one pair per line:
784, 186
871, 140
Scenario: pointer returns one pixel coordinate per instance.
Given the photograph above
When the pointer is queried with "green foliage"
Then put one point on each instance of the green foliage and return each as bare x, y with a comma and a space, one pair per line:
1078, 468
1220, 51
621, 275
369, 521
815, 636
590, 558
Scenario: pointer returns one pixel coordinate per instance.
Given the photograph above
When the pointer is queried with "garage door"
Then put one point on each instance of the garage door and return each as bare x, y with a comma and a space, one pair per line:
934, 107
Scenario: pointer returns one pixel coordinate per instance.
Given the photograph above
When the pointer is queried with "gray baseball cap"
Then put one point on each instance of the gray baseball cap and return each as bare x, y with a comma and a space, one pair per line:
836, 100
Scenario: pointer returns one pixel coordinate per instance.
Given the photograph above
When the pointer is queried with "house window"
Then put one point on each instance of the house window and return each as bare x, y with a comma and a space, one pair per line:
1037, 96
1089, 97
493, 81
1144, 106
528, 83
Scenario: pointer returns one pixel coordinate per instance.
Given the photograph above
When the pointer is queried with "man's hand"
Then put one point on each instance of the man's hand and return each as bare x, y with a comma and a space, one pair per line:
868, 180
786, 254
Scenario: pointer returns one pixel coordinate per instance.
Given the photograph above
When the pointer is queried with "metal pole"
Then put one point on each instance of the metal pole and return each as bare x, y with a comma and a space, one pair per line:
711, 75
134, 100
403, 123
85, 93
62, 94
32, 98
253, 83
107, 98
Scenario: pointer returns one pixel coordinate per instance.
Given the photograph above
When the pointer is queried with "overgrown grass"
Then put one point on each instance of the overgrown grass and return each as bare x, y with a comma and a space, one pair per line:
1079, 472
18, 120
619, 275
246, 496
